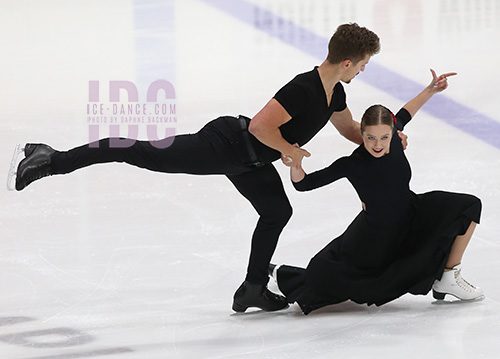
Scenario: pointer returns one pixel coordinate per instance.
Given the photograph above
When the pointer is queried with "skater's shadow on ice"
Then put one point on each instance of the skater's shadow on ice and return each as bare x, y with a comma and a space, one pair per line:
336, 309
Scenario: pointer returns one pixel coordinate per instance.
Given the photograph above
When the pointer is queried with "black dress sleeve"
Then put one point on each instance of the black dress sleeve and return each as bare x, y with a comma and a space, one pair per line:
402, 118
332, 173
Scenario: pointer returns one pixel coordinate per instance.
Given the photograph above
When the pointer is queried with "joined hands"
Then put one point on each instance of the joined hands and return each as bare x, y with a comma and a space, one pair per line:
294, 159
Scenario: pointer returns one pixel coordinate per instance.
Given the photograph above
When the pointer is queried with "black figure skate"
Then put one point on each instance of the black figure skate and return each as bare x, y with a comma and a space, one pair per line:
257, 295
35, 165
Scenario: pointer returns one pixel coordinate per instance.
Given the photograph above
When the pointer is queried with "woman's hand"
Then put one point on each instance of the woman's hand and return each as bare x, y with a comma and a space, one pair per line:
440, 83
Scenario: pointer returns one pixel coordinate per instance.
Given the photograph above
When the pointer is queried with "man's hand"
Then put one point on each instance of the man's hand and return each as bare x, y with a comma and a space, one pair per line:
294, 157
297, 173
404, 139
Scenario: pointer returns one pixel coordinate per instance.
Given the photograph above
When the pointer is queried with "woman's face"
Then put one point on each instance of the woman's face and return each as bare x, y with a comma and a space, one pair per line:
377, 139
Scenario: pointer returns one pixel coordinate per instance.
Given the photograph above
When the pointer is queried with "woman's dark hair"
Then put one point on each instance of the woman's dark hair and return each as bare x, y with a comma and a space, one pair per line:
352, 42
377, 115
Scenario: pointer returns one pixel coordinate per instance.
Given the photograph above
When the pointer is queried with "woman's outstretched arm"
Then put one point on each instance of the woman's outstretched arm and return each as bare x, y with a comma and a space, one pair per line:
438, 84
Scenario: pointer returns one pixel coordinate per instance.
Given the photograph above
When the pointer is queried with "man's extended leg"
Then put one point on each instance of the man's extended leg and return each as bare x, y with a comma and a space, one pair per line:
202, 153
264, 189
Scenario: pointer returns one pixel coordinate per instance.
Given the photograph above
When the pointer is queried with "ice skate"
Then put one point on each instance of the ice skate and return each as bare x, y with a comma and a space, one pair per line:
257, 295
28, 149
36, 165
453, 284
13, 164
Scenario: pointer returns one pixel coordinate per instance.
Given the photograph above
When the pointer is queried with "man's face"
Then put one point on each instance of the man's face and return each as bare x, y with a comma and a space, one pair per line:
353, 69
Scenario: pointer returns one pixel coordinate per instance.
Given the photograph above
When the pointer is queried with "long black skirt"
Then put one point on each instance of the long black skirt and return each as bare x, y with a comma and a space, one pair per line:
374, 265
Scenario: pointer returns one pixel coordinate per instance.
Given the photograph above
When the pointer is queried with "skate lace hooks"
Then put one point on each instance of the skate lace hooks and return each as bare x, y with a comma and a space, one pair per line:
13, 166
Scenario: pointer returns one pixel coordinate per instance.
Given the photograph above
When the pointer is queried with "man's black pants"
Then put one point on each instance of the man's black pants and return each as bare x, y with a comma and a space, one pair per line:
218, 148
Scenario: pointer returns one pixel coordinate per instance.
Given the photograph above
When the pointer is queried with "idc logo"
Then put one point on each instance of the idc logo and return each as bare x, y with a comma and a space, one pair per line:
157, 113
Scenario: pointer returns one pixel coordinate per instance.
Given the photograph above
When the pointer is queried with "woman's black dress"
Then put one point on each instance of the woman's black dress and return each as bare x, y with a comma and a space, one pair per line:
399, 244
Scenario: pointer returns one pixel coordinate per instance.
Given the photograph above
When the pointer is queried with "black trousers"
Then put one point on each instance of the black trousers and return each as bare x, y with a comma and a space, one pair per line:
218, 148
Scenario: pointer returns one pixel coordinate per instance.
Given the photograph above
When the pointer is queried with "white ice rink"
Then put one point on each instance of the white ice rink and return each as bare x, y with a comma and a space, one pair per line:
116, 262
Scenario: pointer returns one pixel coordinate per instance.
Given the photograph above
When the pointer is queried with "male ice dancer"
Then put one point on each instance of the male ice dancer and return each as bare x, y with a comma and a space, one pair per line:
243, 150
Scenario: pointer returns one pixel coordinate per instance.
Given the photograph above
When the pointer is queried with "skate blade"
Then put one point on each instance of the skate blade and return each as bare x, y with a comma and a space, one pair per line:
456, 300
12, 169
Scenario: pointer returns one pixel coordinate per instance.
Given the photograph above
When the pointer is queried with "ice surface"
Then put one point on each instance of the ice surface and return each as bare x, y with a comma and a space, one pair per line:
116, 262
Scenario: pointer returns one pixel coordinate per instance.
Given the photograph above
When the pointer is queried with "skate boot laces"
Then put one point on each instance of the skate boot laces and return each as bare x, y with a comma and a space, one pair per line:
462, 283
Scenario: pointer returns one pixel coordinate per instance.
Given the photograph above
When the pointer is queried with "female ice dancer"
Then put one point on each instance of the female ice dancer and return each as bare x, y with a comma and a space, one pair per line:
401, 242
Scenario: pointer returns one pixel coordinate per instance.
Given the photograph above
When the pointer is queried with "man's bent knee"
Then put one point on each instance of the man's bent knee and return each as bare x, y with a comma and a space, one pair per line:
278, 215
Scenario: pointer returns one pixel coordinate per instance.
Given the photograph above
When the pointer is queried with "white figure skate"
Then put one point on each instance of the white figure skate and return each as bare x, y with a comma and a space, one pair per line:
453, 284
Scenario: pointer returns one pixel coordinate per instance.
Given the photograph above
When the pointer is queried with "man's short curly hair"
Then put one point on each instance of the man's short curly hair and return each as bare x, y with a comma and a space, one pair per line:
352, 42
